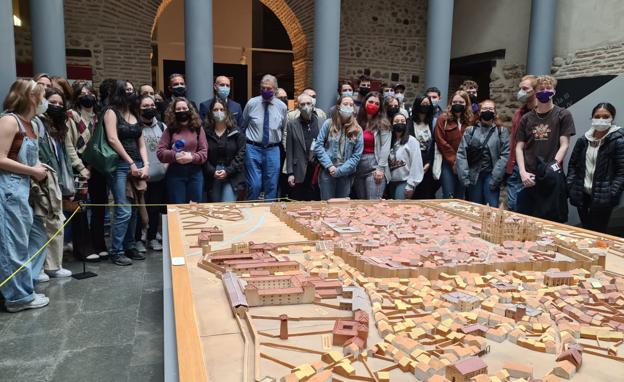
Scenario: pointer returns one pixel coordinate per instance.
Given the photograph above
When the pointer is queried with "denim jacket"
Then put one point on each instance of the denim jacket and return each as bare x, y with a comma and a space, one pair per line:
327, 152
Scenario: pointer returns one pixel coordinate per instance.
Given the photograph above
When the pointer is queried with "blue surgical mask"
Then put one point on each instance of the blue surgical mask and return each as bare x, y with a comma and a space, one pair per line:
223, 92
388, 94
347, 93
346, 111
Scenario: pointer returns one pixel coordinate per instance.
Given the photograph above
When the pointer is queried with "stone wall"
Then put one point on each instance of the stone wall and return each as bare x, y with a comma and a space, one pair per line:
384, 38
504, 78
116, 32
601, 60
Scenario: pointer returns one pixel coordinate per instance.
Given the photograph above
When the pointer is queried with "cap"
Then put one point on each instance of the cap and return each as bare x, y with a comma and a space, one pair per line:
399, 86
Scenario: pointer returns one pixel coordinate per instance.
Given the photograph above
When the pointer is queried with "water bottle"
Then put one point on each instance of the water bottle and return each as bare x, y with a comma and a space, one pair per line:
178, 146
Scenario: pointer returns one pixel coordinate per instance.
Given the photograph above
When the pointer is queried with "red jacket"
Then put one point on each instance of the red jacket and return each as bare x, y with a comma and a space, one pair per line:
515, 122
448, 136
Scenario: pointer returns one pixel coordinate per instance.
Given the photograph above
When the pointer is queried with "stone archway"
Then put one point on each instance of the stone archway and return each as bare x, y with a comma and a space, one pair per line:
294, 29
301, 58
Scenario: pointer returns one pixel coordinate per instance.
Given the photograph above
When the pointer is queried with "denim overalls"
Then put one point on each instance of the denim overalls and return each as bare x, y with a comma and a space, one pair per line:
18, 235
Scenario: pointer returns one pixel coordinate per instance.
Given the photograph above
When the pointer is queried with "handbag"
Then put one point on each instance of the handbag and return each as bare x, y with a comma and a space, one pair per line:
98, 153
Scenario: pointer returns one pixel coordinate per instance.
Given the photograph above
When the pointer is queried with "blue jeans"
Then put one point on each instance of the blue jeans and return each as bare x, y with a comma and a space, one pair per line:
481, 192
125, 217
514, 186
399, 190
222, 190
334, 187
452, 188
185, 183
262, 169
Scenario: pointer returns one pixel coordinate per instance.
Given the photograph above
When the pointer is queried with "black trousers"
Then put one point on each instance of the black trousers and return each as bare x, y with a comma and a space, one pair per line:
427, 187
306, 191
595, 219
98, 193
156, 193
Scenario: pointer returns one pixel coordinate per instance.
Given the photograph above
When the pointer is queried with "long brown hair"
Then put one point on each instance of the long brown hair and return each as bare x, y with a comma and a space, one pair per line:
351, 128
380, 120
466, 116
209, 121
58, 131
18, 99
194, 122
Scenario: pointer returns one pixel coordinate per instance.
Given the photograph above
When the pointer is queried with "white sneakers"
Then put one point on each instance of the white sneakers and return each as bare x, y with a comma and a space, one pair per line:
140, 247
39, 302
42, 277
154, 245
59, 273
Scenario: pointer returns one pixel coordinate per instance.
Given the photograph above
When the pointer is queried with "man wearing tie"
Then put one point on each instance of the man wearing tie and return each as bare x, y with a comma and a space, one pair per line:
264, 118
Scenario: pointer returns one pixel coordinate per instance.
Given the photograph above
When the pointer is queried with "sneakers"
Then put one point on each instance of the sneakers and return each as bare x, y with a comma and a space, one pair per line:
39, 302
140, 247
93, 257
134, 254
59, 273
154, 245
120, 260
158, 236
42, 277
103, 255
69, 247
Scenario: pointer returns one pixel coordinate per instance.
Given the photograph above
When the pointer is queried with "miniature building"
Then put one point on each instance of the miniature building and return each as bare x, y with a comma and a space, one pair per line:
277, 290
464, 369
462, 301
345, 332
497, 228
235, 294
573, 355
553, 279
210, 234
283, 326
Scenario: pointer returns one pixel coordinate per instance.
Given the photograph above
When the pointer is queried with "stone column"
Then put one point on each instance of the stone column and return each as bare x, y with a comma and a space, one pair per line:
7, 47
541, 36
198, 49
439, 37
48, 37
326, 51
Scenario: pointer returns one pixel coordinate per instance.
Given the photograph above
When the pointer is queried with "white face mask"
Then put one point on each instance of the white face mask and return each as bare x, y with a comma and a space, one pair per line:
42, 107
522, 95
399, 96
346, 111
601, 124
219, 116
313, 102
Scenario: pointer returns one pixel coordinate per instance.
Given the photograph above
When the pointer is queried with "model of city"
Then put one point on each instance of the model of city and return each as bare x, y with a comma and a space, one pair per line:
426, 291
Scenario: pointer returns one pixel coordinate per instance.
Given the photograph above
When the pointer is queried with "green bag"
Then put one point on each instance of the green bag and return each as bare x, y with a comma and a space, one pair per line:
99, 153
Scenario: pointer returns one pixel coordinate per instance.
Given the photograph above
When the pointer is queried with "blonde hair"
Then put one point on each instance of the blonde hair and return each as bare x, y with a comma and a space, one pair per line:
530, 77
546, 80
351, 128
18, 100
466, 116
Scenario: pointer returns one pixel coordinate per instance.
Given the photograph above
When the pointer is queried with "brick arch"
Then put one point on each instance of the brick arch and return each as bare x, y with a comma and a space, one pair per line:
161, 8
298, 40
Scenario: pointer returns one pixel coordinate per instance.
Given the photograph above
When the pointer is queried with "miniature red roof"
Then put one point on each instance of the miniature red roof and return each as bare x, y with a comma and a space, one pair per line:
469, 365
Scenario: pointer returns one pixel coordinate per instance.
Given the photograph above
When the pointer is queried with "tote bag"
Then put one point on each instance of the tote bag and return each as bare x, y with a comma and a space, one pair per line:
99, 153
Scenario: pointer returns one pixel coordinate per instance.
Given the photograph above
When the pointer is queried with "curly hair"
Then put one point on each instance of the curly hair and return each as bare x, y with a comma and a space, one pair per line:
466, 116
209, 122
170, 119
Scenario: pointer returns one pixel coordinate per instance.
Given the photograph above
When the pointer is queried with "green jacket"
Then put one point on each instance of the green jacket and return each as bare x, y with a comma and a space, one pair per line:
47, 156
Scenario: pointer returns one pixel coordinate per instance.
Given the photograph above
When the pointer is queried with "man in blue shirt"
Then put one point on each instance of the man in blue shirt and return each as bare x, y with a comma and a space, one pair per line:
222, 91
264, 119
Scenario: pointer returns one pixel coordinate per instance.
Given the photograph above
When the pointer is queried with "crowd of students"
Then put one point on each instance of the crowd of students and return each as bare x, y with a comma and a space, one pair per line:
369, 145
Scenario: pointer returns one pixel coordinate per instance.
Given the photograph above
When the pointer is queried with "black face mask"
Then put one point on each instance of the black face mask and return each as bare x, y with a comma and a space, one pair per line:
56, 113
363, 91
473, 98
87, 101
182, 116
487, 115
399, 127
179, 91
458, 108
392, 111
161, 106
132, 98
424, 109
149, 113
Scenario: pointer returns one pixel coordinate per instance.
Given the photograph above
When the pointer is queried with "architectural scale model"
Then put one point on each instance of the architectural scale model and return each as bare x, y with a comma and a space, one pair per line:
424, 291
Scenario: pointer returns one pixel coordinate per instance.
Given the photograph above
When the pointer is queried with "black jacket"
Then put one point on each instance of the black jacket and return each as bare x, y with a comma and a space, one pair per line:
608, 181
234, 145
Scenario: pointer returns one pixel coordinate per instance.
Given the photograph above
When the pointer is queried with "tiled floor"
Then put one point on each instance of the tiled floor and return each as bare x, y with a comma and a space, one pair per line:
106, 328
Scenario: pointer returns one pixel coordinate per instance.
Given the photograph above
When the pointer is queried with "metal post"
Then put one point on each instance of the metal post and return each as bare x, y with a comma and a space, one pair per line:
541, 36
198, 49
439, 37
48, 37
7, 47
326, 51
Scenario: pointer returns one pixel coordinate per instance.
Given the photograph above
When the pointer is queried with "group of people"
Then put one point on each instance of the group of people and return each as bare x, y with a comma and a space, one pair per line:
369, 145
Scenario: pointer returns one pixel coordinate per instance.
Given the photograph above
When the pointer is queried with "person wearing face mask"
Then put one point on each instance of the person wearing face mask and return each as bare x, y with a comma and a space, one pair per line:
222, 90
399, 94
526, 95
482, 156
596, 169
448, 131
264, 119
184, 147
125, 135
434, 95
51, 130
300, 160
372, 171
88, 240
471, 88
422, 121
224, 170
294, 114
338, 148
364, 87
345, 89
161, 105
22, 234
282, 96
543, 138
177, 88
156, 192
405, 161
387, 91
